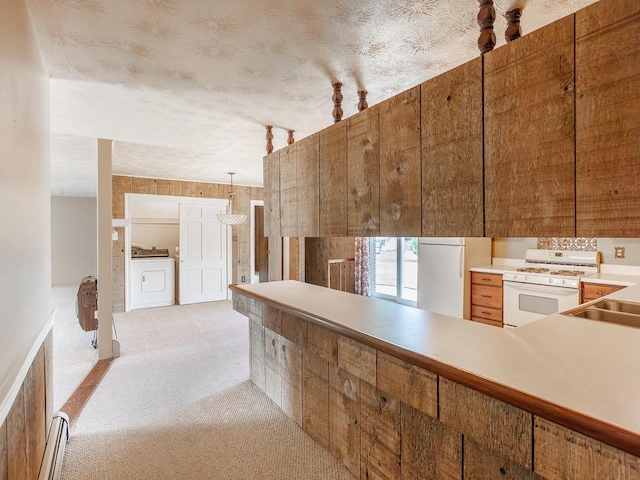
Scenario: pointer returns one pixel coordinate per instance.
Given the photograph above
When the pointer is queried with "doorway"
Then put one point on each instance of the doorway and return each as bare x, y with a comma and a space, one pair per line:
184, 226
260, 250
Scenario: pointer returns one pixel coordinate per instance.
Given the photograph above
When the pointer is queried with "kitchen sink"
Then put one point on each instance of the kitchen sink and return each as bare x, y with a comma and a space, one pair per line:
612, 311
617, 306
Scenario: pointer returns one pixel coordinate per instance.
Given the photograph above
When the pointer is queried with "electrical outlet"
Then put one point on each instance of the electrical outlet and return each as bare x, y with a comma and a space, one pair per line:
619, 252
244, 279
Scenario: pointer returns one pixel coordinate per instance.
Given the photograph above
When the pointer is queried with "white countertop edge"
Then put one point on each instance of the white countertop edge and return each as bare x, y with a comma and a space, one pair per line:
499, 265
611, 279
569, 381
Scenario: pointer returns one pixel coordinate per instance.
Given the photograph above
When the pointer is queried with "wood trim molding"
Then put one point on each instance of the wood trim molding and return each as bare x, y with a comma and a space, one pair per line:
605, 432
11, 388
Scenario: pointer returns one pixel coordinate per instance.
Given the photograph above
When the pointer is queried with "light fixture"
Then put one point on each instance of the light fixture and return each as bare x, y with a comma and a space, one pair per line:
230, 218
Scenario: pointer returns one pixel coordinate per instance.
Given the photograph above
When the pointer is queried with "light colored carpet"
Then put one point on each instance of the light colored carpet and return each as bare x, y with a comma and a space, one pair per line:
178, 405
73, 354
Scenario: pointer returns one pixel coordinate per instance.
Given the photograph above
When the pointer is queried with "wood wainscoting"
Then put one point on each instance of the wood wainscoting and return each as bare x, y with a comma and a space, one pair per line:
23, 433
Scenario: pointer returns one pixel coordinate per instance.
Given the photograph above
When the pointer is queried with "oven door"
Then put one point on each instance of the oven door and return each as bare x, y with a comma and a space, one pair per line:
524, 302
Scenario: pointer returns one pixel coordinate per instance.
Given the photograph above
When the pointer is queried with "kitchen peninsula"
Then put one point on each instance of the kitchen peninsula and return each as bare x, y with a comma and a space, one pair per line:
396, 391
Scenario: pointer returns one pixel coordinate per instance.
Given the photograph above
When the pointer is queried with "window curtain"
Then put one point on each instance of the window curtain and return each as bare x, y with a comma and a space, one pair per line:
362, 266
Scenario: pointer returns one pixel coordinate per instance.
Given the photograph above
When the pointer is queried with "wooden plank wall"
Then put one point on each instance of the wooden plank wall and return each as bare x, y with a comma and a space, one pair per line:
529, 94
363, 176
23, 434
400, 183
333, 180
307, 185
607, 119
385, 418
452, 159
288, 196
240, 234
272, 193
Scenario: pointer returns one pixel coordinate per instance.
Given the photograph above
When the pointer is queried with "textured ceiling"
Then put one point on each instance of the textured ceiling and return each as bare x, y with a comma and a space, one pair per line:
185, 87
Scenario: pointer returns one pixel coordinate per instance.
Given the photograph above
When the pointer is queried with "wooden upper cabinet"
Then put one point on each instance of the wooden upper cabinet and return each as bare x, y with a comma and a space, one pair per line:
271, 169
307, 186
400, 200
608, 119
363, 178
452, 190
332, 156
529, 134
288, 198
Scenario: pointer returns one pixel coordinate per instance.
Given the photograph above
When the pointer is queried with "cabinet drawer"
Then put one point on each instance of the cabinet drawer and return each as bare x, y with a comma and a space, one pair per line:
486, 321
487, 313
591, 291
479, 278
486, 296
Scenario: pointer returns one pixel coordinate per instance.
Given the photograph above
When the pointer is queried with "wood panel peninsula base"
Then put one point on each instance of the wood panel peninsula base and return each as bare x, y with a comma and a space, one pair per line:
353, 373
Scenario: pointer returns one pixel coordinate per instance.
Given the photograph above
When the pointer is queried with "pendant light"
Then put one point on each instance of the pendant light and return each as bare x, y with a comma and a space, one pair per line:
230, 218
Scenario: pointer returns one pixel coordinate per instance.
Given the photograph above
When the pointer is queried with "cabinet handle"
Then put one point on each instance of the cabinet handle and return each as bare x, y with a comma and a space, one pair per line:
485, 296
486, 279
143, 278
284, 348
486, 313
273, 342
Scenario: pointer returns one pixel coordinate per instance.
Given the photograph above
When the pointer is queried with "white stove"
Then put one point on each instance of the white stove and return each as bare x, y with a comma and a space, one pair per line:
550, 283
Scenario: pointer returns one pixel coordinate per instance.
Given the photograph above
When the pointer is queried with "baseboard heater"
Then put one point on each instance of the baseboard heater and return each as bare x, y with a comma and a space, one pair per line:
54, 451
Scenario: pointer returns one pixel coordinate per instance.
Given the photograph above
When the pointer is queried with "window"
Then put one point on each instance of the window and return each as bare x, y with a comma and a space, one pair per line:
394, 269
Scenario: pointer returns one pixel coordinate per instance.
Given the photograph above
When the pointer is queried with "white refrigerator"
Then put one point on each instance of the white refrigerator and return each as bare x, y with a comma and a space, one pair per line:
444, 281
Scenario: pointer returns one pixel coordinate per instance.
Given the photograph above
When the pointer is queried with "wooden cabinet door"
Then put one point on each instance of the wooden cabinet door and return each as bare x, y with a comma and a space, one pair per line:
452, 190
332, 156
307, 185
271, 190
288, 198
400, 192
529, 135
363, 178
608, 119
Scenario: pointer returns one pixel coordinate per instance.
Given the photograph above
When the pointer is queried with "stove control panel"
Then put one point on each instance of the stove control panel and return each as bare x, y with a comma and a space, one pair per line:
542, 280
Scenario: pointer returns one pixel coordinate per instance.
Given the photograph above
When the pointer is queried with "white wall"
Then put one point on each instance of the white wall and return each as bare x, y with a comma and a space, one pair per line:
74, 243
513, 247
25, 237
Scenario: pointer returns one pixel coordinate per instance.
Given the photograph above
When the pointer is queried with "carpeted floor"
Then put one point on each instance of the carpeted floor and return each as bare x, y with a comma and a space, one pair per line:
73, 354
178, 404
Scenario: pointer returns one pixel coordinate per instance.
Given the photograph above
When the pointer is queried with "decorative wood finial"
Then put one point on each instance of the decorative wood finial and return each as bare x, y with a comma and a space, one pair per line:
269, 137
513, 30
362, 104
290, 140
486, 17
337, 102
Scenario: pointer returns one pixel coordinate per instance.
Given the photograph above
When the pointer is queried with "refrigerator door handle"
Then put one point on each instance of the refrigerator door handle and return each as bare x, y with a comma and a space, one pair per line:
461, 261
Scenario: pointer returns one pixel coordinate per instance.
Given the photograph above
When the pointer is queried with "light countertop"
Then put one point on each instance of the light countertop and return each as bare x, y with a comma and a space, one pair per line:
552, 366
611, 279
497, 269
625, 275
500, 266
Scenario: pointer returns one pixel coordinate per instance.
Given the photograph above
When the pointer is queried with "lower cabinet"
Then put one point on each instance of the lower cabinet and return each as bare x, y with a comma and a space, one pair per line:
593, 291
486, 298
385, 418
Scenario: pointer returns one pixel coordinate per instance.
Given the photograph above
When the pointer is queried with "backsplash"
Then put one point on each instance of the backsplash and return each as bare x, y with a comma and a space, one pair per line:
568, 243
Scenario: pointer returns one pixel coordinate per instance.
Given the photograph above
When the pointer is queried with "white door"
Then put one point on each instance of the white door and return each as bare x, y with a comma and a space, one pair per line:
203, 254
